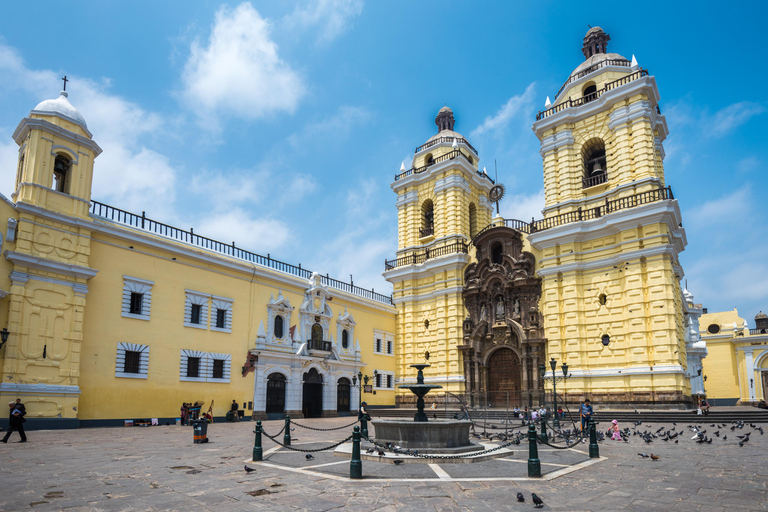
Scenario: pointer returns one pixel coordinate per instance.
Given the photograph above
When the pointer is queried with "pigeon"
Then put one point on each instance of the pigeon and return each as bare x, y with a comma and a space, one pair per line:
370, 450
520, 497
381, 453
249, 470
536, 500
655, 457
725, 438
310, 456
643, 455
398, 461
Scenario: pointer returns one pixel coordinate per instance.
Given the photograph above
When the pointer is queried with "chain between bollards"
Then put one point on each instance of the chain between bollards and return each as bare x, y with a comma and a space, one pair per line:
534, 464
287, 435
257, 443
594, 449
356, 464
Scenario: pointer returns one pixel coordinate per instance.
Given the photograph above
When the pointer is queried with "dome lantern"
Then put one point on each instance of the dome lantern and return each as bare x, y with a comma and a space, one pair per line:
596, 41
445, 120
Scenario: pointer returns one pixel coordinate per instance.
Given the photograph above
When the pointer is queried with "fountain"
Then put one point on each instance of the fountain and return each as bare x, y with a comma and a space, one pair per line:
436, 436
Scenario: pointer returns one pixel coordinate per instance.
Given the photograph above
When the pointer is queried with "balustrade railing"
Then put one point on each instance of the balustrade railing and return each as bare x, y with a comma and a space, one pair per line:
758, 331
418, 258
593, 67
440, 140
456, 153
142, 222
592, 96
325, 346
427, 231
594, 180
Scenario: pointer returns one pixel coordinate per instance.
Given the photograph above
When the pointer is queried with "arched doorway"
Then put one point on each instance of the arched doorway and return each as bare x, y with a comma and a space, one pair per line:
343, 395
504, 378
312, 402
276, 393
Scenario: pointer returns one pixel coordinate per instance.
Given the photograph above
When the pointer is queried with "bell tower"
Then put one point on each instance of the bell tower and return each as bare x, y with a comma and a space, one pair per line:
442, 202
607, 248
50, 261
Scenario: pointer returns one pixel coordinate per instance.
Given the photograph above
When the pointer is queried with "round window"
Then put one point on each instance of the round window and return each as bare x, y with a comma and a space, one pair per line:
602, 299
713, 329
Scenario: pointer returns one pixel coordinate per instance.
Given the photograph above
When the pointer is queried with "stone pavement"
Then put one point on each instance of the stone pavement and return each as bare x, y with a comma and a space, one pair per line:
159, 468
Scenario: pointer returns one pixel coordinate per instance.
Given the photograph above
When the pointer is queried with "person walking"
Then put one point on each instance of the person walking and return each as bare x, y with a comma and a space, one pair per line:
16, 422
615, 431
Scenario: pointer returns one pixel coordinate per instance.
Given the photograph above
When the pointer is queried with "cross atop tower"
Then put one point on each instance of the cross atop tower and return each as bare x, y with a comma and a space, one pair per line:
65, 82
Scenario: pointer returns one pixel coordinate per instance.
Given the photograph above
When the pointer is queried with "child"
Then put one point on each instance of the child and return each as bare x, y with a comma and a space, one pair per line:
616, 433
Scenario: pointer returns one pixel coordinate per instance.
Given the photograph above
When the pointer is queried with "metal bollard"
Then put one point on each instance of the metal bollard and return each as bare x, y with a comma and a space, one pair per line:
356, 465
544, 438
287, 435
257, 443
594, 450
364, 425
534, 464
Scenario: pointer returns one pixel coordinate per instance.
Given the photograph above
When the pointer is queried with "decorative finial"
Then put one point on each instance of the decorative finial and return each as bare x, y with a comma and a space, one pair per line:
547, 103
455, 144
402, 166
65, 82
634, 64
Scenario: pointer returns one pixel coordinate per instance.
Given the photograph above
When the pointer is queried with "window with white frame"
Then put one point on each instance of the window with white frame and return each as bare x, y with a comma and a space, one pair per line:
132, 361
221, 317
137, 297
199, 366
384, 380
390, 348
196, 310
383, 343
377, 346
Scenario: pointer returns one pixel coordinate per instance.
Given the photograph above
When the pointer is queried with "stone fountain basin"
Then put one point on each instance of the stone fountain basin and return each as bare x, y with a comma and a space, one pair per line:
435, 436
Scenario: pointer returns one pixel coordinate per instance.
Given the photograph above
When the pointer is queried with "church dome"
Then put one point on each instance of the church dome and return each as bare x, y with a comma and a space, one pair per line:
446, 133
760, 316
595, 50
599, 57
60, 107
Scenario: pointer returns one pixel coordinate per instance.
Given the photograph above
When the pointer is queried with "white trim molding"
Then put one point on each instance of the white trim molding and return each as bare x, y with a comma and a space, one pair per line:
140, 286
224, 304
143, 351
202, 370
193, 298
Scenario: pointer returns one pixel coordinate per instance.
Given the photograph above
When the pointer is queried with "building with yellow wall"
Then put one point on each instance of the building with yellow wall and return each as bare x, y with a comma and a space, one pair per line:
737, 366
115, 316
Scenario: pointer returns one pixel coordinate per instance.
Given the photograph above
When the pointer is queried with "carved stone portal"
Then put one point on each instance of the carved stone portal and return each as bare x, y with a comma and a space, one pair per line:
502, 354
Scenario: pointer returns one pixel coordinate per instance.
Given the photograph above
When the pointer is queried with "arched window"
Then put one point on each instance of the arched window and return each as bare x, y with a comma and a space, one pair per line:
345, 339
61, 174
497, 253
472, 220
427, 218
278, 330
317, 332
595, 169
429, 159
590, 92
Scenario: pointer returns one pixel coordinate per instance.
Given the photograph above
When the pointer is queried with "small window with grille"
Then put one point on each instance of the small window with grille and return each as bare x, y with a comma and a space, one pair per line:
136, 301
390, 380
193, 367
218, 368
195, 315
221, 317
132, 361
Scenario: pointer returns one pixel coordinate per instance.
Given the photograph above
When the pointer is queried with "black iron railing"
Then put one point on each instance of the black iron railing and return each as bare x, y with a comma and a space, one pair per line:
593, 67
758, 331
594, 180
418, 258
440, 140
325, 346
190, 237
582, 214
427, 231
456, 153
592, 96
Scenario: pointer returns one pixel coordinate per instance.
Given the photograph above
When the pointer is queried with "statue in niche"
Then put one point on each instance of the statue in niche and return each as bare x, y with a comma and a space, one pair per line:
517, 307
500, 310
482, 313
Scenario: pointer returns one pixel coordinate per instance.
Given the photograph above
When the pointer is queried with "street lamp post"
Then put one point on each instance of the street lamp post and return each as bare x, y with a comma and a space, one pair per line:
543, 371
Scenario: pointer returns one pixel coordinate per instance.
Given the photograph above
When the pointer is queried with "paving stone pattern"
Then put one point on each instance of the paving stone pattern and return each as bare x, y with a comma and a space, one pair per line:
159, 468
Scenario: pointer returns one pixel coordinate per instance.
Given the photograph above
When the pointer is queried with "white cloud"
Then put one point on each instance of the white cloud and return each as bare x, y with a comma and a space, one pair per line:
517, 105
258, 234
522, 206
731, 117
239, 73
724, 210
333, 129
331, 16
685, 113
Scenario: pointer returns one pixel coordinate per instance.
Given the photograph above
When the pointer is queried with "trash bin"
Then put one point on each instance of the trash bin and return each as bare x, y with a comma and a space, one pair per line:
200, 429
230, 416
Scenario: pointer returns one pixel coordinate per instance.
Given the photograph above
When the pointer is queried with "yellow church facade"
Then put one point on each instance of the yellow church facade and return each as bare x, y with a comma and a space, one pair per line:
114, 316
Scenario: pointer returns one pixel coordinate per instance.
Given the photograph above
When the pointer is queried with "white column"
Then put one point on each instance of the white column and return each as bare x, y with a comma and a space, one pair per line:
750, 373
259, 390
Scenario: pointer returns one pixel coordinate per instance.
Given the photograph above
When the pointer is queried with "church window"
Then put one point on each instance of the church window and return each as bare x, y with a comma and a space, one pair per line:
713, 329
472, 220
497, 253
427, 218
218, 369
196, 309
132, 361
429, 159
195, 314
602, 299
378, 380
377, 348
317, 332
590, 92
389, 347
61, 174
279, 331
223, 309
345, 339
595, 168
390, 380
221, 316
193, 367
137, 298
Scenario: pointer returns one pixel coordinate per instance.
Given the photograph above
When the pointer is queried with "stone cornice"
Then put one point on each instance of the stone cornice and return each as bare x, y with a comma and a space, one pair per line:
469, 172
430, 267
27, 260
29, 123
583, 201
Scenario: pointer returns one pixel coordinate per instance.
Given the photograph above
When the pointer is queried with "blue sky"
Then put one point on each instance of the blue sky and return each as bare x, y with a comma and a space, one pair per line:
280, 125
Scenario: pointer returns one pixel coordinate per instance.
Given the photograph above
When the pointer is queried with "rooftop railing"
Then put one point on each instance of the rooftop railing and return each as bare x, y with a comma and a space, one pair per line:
594, 67
456, 153
595, 180
592, 96
440, 140
758, 331
418, 258
142, 222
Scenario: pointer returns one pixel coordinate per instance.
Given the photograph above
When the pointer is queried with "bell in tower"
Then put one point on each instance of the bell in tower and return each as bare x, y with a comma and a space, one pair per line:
596, 41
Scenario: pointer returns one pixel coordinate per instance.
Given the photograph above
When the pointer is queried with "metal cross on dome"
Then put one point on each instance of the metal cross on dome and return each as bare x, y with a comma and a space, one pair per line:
65, 82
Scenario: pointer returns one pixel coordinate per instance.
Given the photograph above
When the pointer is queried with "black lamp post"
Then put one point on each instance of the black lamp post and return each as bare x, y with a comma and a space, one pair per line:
543, 370
4, 336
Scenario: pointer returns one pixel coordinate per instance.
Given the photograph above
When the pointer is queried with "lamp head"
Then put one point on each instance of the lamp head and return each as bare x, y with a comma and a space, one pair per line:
366, 380
565, 369
542, 370
553, 364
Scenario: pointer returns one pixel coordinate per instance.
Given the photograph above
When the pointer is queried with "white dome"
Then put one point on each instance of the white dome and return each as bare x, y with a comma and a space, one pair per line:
598, 57
62, 107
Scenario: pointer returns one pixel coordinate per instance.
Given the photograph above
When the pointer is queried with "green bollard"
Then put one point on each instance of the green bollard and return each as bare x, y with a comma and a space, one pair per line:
544, 438
534, 464
257, 443
594, 450
356, 465
287, 435
364, 425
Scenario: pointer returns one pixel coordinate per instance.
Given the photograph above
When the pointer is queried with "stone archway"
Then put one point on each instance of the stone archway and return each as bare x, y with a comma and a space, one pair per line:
504, 378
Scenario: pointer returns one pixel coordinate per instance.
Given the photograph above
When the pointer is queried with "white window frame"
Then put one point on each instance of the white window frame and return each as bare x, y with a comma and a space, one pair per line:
198, 299
386, 338
136, 285
225, 304
122, 348
227, 358
204, 366
383, 374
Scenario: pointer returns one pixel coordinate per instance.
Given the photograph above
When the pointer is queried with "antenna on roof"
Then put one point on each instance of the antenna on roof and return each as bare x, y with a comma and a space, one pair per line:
590, 26
496, 170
